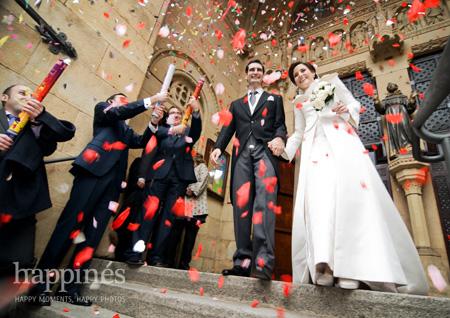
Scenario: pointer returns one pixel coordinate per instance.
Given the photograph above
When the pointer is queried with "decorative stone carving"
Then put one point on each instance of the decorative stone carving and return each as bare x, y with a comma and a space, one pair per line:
180, 92
358, 34
434, 15
316, 49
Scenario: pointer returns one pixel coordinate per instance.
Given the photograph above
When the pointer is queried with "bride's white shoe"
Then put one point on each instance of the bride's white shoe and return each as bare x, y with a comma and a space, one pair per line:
346, 283
324, 279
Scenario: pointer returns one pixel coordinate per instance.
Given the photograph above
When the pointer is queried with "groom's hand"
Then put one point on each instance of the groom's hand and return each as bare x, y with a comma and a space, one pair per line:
214, 156
276, 146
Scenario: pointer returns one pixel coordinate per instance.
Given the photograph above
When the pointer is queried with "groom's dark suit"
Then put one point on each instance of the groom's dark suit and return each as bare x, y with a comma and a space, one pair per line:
254, 131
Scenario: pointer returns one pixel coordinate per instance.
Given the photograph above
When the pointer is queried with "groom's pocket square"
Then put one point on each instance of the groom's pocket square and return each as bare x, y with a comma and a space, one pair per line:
270, 98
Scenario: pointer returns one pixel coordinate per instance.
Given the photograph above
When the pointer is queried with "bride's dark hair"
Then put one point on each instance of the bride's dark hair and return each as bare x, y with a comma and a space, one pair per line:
294, 65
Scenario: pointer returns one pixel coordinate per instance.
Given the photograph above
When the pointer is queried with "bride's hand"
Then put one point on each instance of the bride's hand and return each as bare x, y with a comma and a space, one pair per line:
340, 108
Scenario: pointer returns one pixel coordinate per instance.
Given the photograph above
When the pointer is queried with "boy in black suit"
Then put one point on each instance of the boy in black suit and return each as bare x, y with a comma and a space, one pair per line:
168, 174
99, 172
23, 179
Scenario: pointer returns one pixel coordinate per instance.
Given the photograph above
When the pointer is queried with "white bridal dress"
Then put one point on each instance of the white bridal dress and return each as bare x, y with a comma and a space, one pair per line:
343, 214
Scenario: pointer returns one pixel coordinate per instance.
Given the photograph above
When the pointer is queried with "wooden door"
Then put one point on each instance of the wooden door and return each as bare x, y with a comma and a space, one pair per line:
283, 227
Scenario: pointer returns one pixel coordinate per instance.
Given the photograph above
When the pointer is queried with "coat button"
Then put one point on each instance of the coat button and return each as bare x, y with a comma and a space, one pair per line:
252, 121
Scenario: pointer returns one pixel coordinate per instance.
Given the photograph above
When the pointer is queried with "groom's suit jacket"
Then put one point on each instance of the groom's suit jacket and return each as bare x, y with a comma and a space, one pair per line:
266, 123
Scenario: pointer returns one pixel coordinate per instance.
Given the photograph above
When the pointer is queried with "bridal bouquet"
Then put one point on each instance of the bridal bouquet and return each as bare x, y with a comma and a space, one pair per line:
322, 95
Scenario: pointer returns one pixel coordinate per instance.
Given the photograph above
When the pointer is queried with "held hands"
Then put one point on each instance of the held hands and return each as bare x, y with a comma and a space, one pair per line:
276, 146
158, 113
159, 98
5, 142
340, 108
214, 156
33, 108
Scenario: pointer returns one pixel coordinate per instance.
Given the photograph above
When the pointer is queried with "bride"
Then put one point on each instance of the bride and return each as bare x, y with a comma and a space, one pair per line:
346, 226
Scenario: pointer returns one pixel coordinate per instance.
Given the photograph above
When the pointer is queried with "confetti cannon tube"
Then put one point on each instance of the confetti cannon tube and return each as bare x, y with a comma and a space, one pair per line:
196, 94
39, 94
166, 83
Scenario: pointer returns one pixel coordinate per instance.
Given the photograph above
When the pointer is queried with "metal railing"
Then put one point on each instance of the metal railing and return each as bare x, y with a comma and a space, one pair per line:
438, 90
56, 160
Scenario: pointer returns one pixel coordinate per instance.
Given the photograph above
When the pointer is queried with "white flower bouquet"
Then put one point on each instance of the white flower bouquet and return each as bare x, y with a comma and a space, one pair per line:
322, 95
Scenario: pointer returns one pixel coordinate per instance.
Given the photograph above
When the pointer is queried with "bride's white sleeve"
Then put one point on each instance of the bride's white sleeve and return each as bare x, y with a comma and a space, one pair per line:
346, 97
295, 140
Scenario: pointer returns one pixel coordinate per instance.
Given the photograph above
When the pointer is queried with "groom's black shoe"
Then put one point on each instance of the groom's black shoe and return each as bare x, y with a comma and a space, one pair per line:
236, 271
262, 275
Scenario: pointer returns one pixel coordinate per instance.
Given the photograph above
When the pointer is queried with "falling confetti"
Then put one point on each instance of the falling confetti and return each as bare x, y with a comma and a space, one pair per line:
118, 222
83, 256
243, 194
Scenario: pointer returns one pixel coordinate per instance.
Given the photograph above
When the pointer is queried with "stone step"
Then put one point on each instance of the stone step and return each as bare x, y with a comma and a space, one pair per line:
141, 301
303, 298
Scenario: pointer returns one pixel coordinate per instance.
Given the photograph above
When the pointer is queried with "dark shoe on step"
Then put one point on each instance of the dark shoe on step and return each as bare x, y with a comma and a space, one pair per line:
134, 261
236, 271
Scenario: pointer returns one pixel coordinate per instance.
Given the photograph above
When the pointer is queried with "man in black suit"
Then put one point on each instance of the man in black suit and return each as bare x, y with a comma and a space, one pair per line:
99, 172
23, 179
258, 121
167, 183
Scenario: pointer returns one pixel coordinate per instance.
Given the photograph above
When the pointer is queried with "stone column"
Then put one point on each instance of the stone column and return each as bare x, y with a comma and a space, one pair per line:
412, 175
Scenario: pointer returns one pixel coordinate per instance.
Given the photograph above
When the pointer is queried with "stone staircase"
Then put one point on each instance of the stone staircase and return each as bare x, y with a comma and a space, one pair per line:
159, 292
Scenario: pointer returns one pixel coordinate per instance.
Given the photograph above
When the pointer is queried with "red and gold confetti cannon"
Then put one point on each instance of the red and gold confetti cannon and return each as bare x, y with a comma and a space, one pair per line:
196, 94
39, 94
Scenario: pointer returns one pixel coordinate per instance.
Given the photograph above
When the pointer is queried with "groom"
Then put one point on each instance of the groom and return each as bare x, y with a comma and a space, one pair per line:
258, 121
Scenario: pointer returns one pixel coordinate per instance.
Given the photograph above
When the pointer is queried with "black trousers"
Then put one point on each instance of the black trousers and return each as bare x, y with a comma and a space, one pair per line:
90, 195
190, 228
167, 190
17, 239
260, 247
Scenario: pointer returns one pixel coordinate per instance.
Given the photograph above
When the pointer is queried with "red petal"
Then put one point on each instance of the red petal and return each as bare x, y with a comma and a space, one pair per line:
359, 76
270, 183
221, 281
126, 43
243, 194
299, 105
178, 207
415, 68
194, 275
133, 226
74, 234
158, 164
5, 218
199, 251
262, 168
254, 303
257, 217
151, 205
238, 41
189, 11
120, 219
264, 112
80, 216
83, 256
201, 291
167, 223
225, 117
90, 155
244, 214
152, 143
368, 89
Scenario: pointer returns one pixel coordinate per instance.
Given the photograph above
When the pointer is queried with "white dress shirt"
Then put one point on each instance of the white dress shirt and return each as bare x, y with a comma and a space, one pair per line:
257, 97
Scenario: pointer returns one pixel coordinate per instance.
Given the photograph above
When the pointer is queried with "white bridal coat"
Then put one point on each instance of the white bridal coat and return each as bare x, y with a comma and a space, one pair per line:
371, 241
